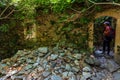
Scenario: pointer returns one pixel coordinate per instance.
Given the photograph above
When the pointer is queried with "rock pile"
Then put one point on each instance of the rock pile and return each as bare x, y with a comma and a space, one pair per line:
52, 64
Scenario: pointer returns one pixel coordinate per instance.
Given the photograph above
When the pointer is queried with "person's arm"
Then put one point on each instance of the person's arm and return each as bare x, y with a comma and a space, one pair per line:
107, 31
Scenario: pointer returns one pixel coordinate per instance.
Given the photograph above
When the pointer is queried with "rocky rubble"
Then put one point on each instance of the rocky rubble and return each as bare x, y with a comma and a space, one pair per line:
57, 64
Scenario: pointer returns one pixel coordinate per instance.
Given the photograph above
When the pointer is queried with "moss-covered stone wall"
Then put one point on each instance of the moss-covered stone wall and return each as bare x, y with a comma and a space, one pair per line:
51, 32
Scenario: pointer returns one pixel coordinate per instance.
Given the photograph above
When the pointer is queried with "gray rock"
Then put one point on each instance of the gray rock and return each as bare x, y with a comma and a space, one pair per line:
78, 56
116, 75
70, 57
17, 77
112, 65
76, 62
92, 61
95, 78
60, 71
78, 77
1, 67
53, 64
100, 75
86, 75
48, 67
45, 62
16, 65
31, 56
22, 60
46, 73
35, 64
62, 54
55, 77
62, 67
68, 67
72, 77
103, 62
97, 62
29, 61
21, 73
53, 56
38, 60
8, 63
10, 73
48, 78
70, 74
41, 54
36, 53
28, 67
43, 49
74, 69
40, 69
89, 61
65, 74
87, 69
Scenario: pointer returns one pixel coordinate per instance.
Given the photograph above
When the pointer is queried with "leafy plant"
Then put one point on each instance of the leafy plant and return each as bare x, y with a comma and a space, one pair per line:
4, 28
68, 27
84, 20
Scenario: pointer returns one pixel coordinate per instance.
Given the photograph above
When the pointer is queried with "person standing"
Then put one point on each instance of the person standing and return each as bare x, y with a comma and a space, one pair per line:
107, 37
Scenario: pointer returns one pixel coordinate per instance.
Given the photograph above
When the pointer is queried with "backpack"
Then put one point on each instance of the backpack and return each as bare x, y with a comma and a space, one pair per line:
112, 33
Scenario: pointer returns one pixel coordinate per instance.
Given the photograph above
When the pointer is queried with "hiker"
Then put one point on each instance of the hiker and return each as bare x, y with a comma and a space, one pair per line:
107, 37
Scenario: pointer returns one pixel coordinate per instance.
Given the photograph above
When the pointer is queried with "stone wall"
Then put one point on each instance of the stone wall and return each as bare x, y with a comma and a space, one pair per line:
49, 31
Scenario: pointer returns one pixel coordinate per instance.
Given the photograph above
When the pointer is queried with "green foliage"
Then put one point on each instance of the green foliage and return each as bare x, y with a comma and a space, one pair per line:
98, 8
4, 28
84, 20
101, 20
68, 27
61, 5
27, 8
106, 0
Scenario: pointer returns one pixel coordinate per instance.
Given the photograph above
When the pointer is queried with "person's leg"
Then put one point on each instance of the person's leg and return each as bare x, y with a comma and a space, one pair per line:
108, 47
104, 46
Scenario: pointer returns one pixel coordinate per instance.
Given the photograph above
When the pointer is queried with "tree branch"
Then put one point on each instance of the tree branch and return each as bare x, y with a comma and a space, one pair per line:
9, 13
102, 3
75, 10
82, 11
4, 10
4, 18
7, 16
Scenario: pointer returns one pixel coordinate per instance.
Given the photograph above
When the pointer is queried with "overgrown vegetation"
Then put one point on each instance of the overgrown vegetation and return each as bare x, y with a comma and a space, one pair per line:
15, 14
27, 9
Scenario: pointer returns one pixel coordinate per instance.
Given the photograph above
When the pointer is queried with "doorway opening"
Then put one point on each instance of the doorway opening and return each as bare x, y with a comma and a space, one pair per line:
98, 33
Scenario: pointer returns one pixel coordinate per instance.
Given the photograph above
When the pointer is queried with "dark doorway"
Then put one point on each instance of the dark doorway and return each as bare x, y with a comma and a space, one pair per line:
98, 32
